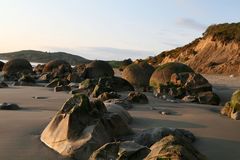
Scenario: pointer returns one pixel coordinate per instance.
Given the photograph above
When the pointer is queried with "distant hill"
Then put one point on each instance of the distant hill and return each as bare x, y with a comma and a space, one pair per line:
216, 52
44, 57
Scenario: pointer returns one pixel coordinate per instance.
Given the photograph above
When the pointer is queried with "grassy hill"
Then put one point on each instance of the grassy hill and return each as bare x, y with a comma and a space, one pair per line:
44, 57
216, 52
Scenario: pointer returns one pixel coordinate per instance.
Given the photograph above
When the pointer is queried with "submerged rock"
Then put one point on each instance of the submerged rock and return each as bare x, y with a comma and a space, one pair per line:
122, 102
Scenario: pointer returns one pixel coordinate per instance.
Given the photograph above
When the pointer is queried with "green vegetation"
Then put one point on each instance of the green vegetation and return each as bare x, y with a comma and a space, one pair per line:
44, 57
115, 64
224, 32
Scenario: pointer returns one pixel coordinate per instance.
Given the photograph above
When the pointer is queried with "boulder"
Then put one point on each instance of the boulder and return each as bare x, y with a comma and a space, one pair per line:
38, 69
138, 74
1, 65
57, 82
74, 77
9, 106
126, 150
97, 69
62, 88
208, 98
162, 75
232, 108
25, 80
57, 66
108, 95
124, 64
192, 82
174, 147
14, 68
81, 127
3, 85
122, 102
149, 136
137, 97
114, 108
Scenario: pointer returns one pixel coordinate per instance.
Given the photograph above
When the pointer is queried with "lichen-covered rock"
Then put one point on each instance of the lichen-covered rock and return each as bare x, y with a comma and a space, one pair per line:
232, 108
14, 68
174, 148
97, 69
9, 106
137, 97
108, 95
81, 127
126, 150
138, 74
162, 75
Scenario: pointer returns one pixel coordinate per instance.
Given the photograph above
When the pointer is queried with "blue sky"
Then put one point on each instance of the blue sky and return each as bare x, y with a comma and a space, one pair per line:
109, 29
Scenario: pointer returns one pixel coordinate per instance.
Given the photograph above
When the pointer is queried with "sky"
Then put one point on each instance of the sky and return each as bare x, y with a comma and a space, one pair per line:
109, 29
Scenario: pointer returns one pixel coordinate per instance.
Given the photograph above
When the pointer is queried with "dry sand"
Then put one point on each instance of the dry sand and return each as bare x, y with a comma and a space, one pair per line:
218, 137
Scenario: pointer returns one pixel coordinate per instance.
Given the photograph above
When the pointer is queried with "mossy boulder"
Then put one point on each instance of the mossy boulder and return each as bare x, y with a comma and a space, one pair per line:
232, 108
174, 148
162, 75
138, 74
235, 101
14, 68
97, 69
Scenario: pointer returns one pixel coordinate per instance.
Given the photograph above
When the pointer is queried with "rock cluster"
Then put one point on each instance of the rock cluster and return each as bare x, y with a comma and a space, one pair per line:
177, 80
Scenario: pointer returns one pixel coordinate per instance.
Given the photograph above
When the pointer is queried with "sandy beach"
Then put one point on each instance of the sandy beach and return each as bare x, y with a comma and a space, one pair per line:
218, 137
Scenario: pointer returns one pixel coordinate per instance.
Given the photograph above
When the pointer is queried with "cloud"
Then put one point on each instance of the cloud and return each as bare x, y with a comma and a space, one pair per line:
190, 23
104, 53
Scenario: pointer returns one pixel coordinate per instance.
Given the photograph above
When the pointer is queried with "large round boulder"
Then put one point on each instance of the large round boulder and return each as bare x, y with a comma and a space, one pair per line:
162, 75
138, 74
56, 65
97, 69
15, 67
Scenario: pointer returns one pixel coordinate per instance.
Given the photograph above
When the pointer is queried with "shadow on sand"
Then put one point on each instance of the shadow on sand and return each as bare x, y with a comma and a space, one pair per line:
151, 123
215, 148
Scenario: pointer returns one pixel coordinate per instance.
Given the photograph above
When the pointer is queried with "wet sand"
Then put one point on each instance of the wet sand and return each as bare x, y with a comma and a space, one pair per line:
218, 137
